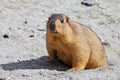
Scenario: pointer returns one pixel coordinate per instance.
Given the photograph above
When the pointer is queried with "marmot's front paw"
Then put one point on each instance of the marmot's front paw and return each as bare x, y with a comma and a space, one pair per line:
75, 69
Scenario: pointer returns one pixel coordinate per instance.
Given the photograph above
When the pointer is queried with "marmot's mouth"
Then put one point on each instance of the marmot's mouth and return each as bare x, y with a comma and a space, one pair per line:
53, 32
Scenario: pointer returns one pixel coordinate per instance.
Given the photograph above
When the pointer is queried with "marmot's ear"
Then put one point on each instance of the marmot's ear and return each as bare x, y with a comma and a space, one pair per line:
67, 19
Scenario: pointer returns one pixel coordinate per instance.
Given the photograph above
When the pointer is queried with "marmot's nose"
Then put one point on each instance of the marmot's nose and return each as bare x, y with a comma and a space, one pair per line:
52, 27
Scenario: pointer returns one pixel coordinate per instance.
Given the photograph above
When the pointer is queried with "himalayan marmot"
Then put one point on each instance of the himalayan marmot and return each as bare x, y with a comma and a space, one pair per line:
74, 44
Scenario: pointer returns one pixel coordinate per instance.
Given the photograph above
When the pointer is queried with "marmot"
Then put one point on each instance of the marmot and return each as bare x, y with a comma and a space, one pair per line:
74, 44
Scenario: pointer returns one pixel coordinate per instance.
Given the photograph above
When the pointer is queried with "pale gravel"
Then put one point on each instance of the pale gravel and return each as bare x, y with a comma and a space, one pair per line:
25, 58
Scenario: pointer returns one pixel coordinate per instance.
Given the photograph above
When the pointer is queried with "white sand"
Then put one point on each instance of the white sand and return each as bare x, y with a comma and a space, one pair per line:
25, 58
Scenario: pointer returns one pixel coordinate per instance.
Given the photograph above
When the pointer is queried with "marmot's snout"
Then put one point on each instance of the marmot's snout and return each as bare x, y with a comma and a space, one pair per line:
52, 27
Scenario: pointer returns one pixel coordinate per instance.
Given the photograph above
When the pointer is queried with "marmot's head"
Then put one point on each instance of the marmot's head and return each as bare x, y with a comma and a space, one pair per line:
58, 24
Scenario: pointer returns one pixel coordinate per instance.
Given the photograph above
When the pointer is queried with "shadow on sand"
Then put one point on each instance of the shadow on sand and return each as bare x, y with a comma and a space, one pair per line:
40, 63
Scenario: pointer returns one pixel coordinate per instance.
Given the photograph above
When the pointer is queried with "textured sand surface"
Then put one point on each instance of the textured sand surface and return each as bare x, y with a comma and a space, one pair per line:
23, 54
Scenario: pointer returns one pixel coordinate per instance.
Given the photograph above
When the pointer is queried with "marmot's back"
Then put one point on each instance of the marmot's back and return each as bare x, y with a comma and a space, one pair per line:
97, 57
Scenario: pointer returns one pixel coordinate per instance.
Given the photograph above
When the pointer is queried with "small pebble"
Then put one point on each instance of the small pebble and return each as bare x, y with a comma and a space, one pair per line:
31, 36
106, 44
2, 79
24, 75
25, 22
41, 29
19, 28
5, 36
88, 2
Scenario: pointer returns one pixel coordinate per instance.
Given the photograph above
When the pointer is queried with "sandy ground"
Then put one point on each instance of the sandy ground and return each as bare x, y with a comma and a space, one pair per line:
23, 54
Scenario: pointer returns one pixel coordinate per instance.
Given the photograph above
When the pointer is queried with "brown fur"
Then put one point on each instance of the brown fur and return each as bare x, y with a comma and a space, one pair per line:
74, 44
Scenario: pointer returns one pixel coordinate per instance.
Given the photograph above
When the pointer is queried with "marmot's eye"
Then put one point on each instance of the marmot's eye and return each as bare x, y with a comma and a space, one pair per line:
62, 21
